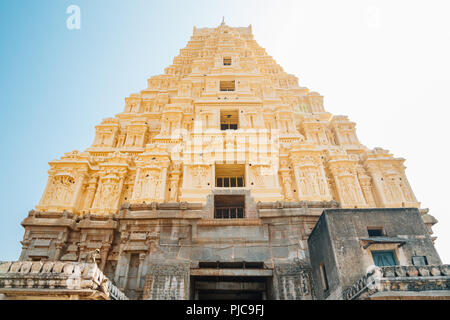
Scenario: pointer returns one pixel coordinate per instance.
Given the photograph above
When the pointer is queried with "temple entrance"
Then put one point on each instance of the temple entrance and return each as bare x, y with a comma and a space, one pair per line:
230, 281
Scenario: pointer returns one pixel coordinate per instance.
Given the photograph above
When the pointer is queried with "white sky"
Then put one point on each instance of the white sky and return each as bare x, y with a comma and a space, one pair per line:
386, 65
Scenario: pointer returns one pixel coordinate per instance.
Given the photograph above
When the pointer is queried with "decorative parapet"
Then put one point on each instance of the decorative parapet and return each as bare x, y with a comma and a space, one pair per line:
298, 205
400, 279
56, 278
162, 206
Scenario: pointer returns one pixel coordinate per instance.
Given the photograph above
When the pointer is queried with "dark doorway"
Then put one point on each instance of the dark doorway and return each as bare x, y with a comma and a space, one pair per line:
229, 288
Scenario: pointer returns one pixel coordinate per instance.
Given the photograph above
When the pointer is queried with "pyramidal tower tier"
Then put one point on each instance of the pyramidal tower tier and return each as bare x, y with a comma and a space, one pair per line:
225, 117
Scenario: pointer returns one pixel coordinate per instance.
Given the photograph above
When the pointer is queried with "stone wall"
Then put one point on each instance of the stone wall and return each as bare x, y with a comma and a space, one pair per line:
292, 281
167, 281
340, 241
134, 244
72, 280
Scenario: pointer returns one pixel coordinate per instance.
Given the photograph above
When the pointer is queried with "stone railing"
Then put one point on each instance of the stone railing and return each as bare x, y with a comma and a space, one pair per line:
162, 206
74, 278
400, 278
298, 205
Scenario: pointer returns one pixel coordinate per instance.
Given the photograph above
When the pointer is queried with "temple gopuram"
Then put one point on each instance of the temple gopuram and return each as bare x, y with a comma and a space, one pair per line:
226, 179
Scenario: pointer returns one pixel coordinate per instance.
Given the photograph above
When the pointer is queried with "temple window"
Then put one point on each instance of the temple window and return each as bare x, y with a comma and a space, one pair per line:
384, 258
230, 176
227, 85
227, 61
229, 119
229, 207
375, 232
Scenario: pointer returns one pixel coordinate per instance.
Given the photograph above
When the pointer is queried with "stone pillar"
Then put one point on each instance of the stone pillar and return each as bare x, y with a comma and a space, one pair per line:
104, 255
286, 179
162, 186
122, 179
174, 183
92, 187
141, 265
77, 191
298, 181
137, 180
324, 179
376, 178
410, 196
51, 174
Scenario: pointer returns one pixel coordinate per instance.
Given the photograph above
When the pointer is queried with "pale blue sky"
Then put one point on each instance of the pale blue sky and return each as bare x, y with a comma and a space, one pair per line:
383, 64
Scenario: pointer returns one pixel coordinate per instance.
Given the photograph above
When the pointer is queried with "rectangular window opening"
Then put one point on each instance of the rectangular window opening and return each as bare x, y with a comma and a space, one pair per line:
228, 85
375, 232
227, 61
229, 119
384, 258
230, 175
229, 207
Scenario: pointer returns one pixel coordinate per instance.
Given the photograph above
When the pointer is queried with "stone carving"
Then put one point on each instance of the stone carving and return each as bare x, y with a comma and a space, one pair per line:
108, 193
200, 174
148, 185
60, 191
72, 277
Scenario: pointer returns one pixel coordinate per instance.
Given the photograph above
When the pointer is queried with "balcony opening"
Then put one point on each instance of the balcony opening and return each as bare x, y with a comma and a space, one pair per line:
227, 61
229, 207
230, 176
229, 119
228, 85
231, 287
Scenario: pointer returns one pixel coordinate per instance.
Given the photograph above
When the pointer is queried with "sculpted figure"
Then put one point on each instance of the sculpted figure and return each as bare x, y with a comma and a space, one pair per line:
61, 191
150, 184
109, 195
199, 174
395, 189
406, 192
322, 187
304, 184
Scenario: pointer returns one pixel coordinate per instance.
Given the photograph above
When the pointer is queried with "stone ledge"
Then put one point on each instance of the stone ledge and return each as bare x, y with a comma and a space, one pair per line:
400, 279
298, 205
53, 277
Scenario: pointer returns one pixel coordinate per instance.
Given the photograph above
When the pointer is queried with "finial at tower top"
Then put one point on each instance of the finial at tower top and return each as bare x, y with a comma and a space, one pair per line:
223, 20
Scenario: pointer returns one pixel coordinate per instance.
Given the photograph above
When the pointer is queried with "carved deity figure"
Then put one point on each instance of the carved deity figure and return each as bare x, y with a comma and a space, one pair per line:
349, 190
258, 177
199, 173
147, 187
394, 189
107, 193
185, 90
60, 190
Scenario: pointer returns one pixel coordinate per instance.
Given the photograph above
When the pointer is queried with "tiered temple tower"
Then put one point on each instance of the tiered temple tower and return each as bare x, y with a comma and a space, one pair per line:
222, 162
225, 109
